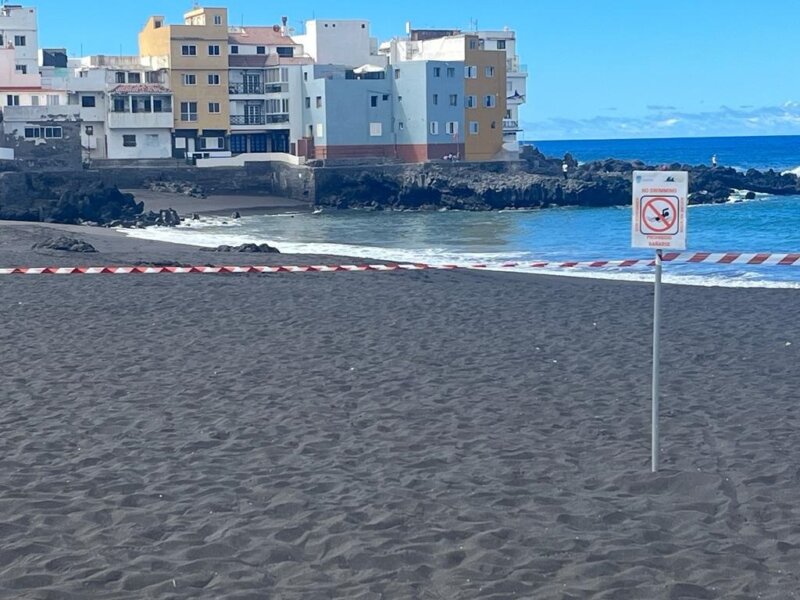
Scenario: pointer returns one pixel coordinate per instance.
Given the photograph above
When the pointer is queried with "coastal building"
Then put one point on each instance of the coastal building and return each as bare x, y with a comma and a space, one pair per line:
32, 108
340, 42
264, 81
195, 54
125, 107
516, 82
482, 103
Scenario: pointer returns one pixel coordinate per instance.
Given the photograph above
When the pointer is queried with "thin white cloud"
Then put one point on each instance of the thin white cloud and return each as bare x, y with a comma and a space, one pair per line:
783, 119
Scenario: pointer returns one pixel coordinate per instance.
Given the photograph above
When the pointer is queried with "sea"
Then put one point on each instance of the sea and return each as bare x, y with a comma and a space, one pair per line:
766, 224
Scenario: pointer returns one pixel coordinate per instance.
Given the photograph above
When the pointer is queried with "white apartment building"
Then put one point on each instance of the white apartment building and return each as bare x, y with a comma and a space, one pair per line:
516, 81
19, 32
264, 80
341, 42
125, 107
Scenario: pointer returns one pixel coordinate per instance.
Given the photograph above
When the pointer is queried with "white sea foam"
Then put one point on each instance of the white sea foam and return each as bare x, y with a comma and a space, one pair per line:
440, 256
795, 171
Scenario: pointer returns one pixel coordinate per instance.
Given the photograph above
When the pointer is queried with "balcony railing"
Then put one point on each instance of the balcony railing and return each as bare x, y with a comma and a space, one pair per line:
259, 119
248, 120
246, 88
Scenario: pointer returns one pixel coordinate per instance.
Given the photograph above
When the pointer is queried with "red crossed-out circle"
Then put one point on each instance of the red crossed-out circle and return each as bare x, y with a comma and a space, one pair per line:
661, 223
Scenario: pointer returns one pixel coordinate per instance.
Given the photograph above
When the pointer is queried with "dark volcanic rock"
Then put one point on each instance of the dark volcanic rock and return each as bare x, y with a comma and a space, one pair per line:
65, 244
251, 248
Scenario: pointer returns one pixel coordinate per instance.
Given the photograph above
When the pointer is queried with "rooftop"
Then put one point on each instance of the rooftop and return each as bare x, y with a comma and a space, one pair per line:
264, 36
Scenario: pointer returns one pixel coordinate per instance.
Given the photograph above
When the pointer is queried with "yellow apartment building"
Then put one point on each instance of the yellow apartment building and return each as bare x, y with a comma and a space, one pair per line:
485, 87
196, 54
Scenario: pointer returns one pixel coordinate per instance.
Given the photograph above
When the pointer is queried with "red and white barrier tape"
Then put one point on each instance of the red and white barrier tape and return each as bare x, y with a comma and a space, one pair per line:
730, 258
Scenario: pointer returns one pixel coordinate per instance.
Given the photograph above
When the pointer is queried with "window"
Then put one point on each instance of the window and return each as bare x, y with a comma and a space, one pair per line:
119, 77
23, 69
434, 127
285, 52
89, 130
489, 101
305, 76
375, 129
397, 73
501, 44
53, 100
472, 101
32, 133
453, 99
234, 49
489, 72
158, 105
213, 50
451, 127
319, 101
401, 126
213, 108
53, 133
373, 101
1, 39
157, 24
437, 71
188, 111
451, 71
386, 97
308, 101
435, 99
320, 130
213, 79
34, 100
134, 78
473, 127
189, 50
189, 79
471, 72
399, 98
88, 101
19, 40
261, 50
129, 141
473, 44
119, 104
217, 20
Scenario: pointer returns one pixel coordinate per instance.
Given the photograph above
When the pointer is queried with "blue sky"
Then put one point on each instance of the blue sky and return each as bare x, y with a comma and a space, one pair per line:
616, 69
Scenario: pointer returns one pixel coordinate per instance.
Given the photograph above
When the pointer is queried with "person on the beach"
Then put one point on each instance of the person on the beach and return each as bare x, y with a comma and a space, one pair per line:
564, 168
713, 161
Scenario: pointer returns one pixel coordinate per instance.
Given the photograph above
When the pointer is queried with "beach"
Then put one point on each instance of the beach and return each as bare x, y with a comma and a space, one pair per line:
416, 435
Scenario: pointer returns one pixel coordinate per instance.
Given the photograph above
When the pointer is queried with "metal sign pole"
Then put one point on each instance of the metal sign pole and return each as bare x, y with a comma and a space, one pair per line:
656, 358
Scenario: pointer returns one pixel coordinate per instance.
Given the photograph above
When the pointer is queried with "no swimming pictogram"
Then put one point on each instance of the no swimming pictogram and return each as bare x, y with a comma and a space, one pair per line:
660, 215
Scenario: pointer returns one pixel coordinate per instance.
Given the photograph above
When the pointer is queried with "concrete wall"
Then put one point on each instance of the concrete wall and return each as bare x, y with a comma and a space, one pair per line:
150, 143
339, 42
51, 154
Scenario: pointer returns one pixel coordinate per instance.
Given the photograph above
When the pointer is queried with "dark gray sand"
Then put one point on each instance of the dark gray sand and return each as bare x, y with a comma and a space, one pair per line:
186, 205
427, 435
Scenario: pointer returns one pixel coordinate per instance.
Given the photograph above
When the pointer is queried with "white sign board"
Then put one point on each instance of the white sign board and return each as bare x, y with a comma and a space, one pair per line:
659, 209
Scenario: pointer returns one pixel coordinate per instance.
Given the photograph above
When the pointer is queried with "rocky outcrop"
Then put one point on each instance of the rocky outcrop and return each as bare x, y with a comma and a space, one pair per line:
185, 188
249, 248
65, 244
535, 182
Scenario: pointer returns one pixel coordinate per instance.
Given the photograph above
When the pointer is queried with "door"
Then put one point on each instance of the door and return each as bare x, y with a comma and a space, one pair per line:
253, 114
252, 84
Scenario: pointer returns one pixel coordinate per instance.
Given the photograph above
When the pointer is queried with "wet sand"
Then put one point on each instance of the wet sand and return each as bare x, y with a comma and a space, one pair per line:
219, 204
389, 435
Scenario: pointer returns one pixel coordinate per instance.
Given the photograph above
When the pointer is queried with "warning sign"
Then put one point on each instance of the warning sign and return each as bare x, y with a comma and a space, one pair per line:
659, 209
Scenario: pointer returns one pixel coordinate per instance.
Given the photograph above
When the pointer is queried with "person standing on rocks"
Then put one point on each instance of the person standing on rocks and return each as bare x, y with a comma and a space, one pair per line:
564, 169
713, 161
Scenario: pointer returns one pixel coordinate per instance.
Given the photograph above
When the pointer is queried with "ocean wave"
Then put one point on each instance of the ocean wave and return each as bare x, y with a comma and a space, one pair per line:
493, 261
795, 171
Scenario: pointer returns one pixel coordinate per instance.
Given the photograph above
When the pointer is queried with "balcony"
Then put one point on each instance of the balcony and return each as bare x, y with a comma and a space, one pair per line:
513, 66
250, 120
511, 125
235, 89
140, 120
